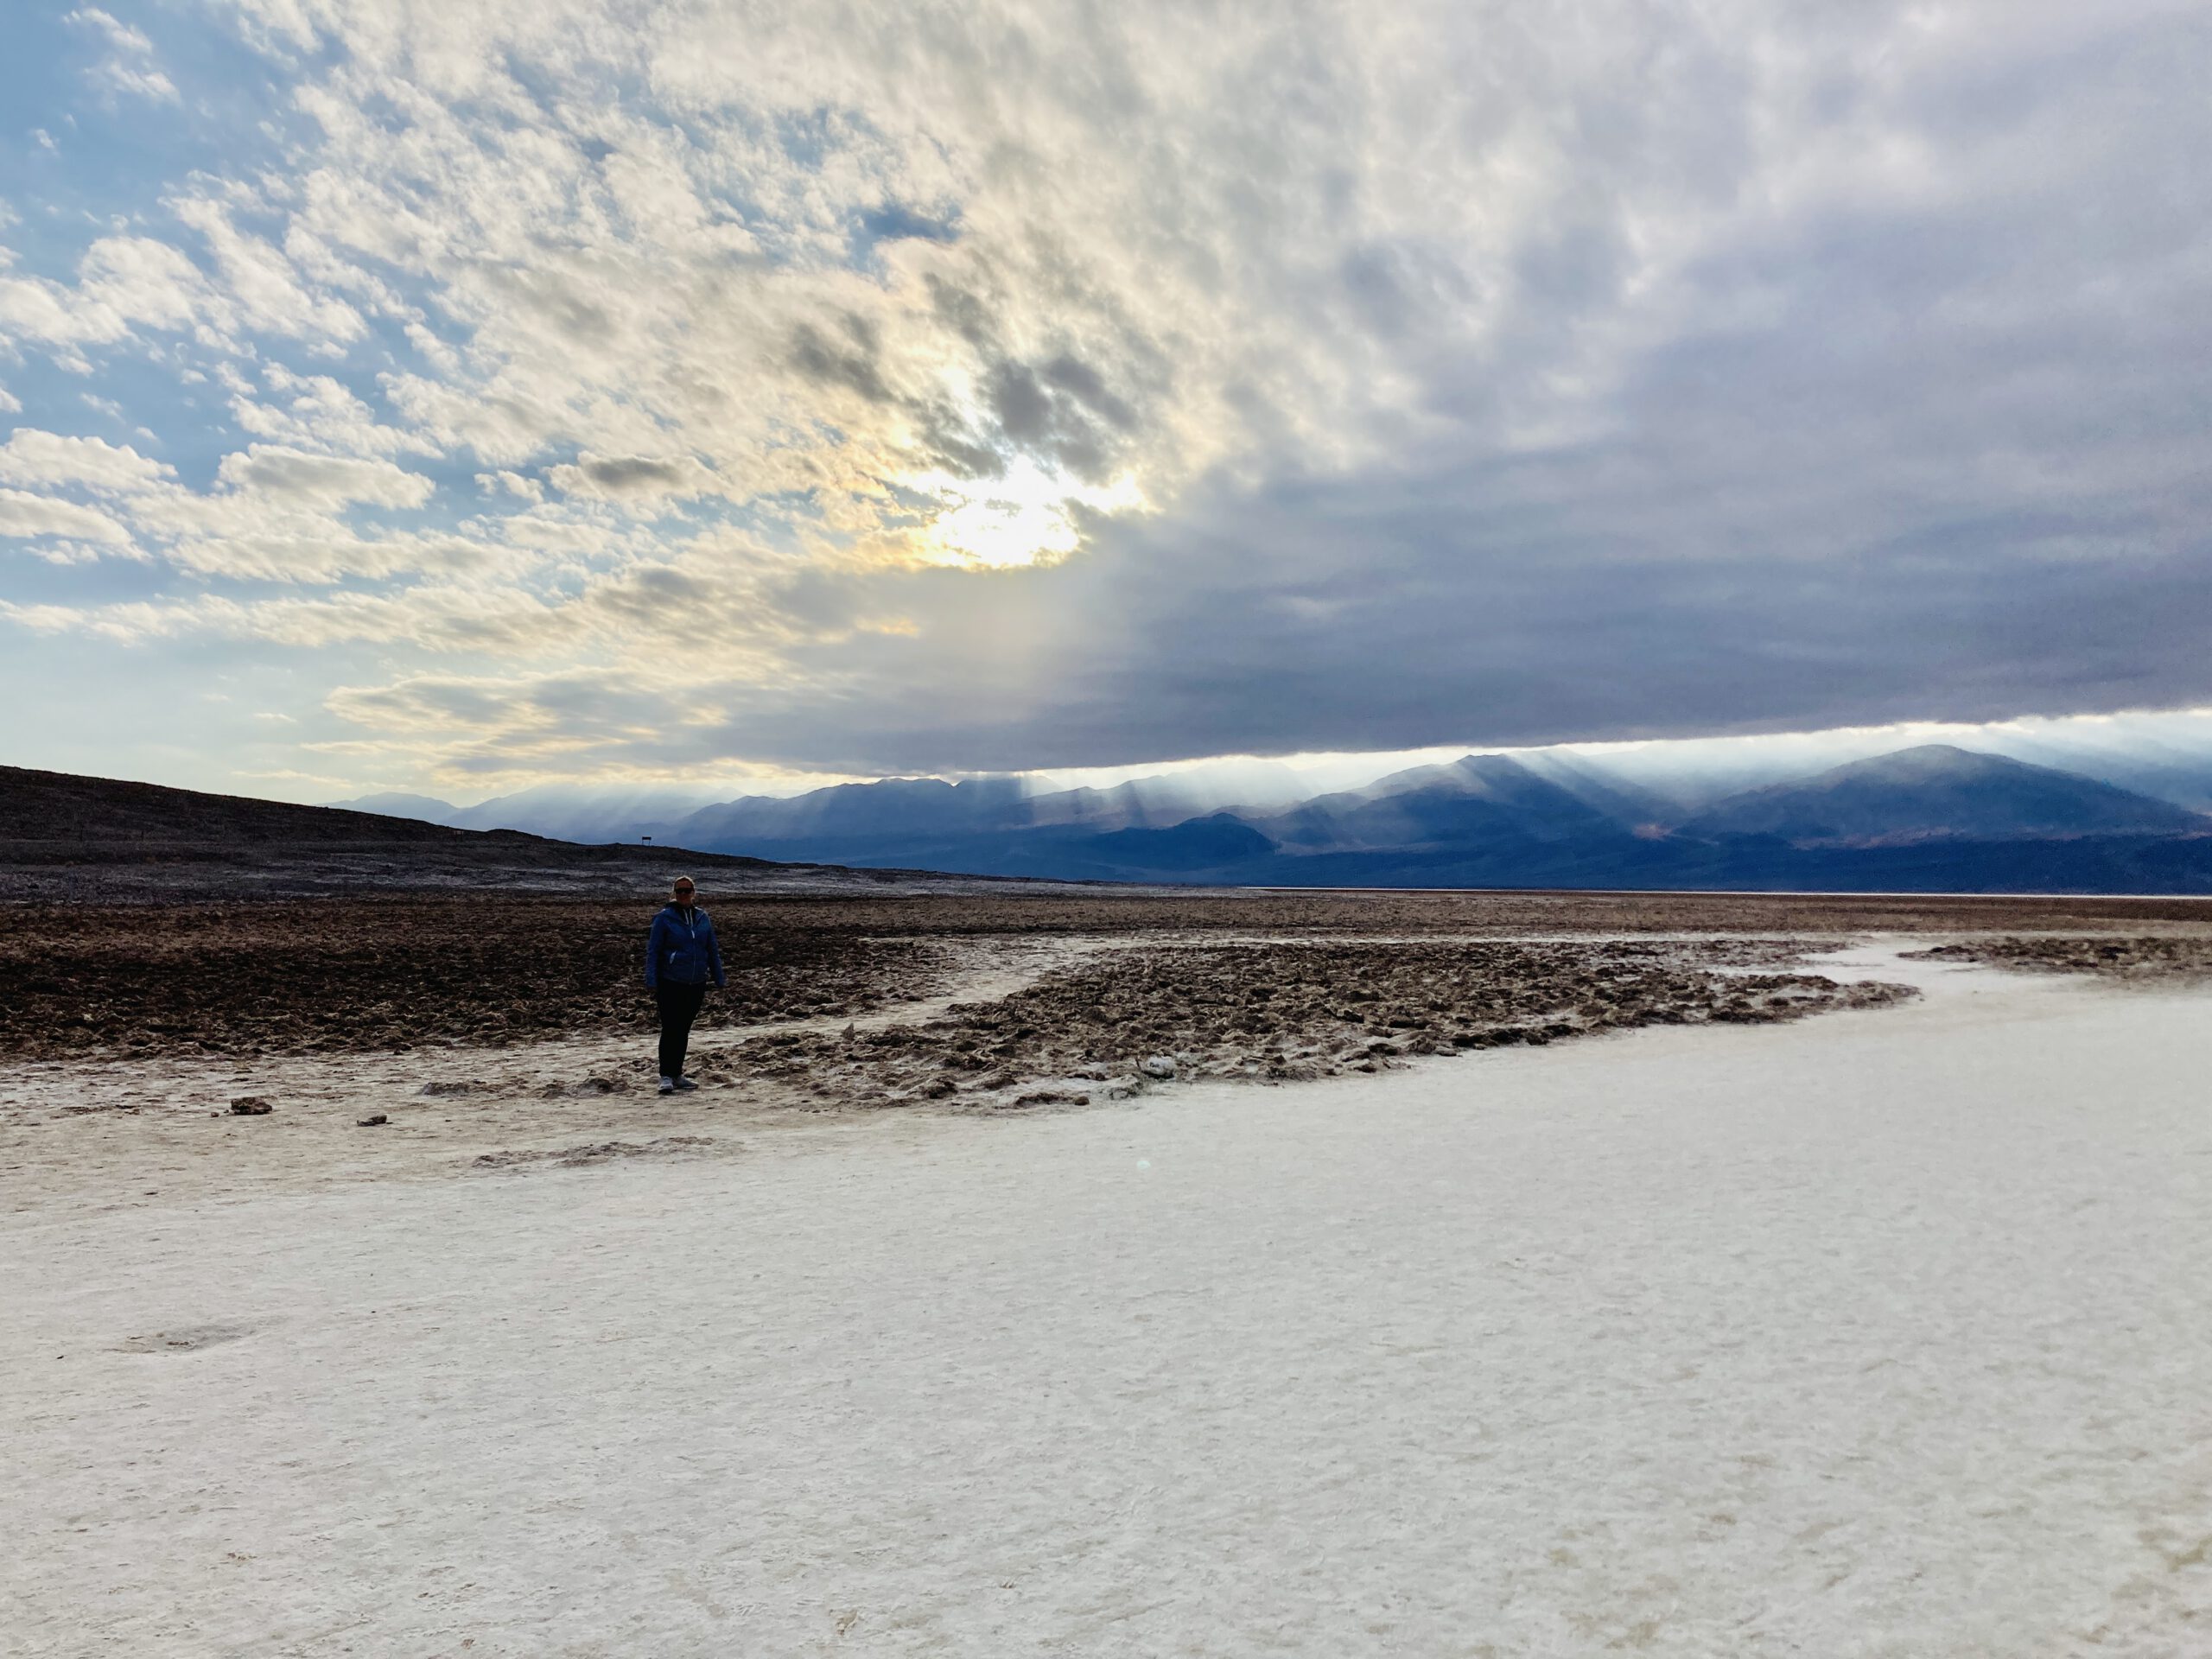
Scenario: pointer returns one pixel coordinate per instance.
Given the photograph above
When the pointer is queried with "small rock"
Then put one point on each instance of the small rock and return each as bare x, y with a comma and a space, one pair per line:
251, 1106
371, 1120
1159, 1067
1052, 1097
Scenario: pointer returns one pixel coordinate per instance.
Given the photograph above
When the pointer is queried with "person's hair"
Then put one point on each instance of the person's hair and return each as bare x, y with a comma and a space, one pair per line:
684, 881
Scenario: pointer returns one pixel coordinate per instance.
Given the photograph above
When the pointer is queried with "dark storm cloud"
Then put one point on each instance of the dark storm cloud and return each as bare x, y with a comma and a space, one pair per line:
1454, 620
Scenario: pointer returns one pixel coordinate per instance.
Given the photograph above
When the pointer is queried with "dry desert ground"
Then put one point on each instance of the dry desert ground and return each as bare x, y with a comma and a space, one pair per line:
1511, 1274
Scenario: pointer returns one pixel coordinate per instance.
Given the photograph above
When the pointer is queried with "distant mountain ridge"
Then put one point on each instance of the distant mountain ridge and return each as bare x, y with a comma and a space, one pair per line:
1479, 799
1939, 790
1929, 818
563, 814
397, 804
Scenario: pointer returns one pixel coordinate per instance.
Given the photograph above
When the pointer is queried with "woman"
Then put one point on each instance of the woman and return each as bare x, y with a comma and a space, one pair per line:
681, 958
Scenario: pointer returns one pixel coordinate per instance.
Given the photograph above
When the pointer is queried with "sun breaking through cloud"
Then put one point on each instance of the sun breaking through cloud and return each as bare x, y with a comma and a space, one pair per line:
1025, 516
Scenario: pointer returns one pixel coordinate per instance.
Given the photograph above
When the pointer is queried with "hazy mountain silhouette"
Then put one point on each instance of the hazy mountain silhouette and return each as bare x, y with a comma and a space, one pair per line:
1935, 790
1485, 799
893, 807
559, 810
1931, 818
397, 804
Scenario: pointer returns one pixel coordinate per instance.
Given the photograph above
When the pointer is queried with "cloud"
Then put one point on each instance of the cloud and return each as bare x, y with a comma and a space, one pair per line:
134, 81
48, 461
324, 482
1055, 385
320, 412
633, 478
124, 284
25, 515
263, 289
514, 484
129, 67
119, 35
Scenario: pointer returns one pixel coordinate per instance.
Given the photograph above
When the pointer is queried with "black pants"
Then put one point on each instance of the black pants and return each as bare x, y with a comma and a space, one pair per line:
679, 1006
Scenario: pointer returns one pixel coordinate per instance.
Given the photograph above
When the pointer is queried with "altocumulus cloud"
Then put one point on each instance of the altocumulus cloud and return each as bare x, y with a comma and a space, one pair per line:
559, 386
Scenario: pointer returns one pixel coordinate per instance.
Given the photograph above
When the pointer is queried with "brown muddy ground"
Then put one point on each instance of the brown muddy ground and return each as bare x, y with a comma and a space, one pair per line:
390, 974
381, 973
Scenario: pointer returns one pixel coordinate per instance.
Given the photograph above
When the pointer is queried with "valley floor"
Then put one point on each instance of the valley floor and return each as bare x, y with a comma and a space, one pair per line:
1876, 1332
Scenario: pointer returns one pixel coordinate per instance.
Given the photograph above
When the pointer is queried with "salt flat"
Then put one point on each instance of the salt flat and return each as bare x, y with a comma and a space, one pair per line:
1880, 1333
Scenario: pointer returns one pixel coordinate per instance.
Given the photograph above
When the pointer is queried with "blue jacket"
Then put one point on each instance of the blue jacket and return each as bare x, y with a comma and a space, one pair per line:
680, 952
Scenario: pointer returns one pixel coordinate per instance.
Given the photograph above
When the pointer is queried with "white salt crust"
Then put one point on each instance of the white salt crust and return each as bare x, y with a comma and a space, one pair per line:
1883, 1333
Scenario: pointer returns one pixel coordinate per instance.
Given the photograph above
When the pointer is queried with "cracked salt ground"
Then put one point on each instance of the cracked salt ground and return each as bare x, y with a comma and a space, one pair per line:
1880, 1333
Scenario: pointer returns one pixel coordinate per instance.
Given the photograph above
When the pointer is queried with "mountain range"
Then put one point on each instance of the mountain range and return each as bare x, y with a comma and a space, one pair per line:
1930, 818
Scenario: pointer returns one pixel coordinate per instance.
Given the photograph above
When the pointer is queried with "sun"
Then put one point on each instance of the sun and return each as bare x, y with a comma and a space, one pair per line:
1023, 517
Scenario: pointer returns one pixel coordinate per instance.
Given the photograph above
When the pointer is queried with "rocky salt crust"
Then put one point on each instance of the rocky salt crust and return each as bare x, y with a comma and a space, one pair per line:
1290, 1012
2154, 957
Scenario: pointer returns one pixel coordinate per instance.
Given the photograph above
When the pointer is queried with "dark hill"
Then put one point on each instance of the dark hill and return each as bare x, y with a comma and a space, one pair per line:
58, 809
58, 832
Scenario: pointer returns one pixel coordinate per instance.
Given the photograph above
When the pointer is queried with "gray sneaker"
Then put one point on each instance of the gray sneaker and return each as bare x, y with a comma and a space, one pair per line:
685, 1083
668, 1085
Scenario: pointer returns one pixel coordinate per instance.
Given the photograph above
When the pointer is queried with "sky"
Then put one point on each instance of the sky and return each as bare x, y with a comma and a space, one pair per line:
463, 399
